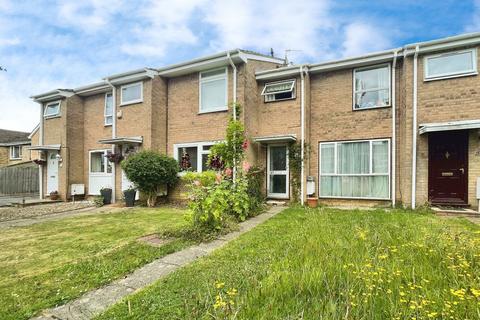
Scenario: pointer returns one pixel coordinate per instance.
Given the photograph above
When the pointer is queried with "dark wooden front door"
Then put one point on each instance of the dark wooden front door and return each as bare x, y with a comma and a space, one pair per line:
448, 167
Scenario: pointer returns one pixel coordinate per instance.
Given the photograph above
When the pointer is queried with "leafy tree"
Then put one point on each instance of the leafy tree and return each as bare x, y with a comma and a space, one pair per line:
149, 170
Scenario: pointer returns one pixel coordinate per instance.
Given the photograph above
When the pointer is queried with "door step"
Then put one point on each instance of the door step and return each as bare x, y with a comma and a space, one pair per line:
277, 203
455, 212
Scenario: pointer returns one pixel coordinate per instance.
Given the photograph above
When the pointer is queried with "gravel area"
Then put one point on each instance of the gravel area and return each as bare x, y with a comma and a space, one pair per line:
11, 213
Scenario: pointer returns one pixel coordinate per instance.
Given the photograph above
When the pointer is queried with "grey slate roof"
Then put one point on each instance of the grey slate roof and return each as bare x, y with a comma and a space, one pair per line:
9, 136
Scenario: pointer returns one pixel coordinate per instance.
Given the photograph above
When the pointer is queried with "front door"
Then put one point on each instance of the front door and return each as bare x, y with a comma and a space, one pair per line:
277, 172
448, 168
52, 172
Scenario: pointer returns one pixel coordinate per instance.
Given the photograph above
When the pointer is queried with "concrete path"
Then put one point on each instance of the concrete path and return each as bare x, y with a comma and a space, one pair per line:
97, 301
58, 216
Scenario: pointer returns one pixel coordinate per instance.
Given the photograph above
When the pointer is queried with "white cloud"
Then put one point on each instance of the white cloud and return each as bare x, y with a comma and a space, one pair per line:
4, 42
88, 15
362, 37
474, 24
167, 25
301, 25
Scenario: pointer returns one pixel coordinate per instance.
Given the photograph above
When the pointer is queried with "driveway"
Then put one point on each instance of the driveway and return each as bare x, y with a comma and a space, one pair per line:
8, 200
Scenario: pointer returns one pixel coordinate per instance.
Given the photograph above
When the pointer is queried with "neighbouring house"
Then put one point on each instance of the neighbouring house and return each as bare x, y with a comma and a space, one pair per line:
400, 126
14, 147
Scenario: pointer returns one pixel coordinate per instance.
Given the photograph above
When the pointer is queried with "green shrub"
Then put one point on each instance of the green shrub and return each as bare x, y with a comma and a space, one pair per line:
205, 178
98, 201
149, 170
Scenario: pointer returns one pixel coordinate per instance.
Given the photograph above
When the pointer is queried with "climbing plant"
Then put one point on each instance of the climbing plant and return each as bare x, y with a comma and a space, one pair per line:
295, 164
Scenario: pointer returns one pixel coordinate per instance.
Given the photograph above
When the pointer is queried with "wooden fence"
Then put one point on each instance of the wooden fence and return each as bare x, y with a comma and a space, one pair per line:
17, 180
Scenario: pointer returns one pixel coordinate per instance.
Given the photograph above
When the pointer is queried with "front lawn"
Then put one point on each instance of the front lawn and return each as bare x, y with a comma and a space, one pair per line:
327, 264
53, 262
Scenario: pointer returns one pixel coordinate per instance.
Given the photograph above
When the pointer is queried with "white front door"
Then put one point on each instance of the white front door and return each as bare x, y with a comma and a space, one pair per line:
100, 172
52, 172
277, 172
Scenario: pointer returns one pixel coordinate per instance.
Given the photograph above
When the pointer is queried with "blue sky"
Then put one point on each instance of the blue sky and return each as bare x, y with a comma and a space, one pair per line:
62, 44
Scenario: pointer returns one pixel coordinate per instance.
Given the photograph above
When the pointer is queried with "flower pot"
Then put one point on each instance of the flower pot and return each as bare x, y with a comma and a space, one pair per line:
129, 196
107, 195
54, 196
312, 202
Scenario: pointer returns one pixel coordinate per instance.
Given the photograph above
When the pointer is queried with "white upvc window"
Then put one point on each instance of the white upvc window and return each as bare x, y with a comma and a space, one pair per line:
371, 87
52, 109
108, 111
131, 93
99, 163
280, 90
213, 90
355, 169
15, 152
450, 64
193, 157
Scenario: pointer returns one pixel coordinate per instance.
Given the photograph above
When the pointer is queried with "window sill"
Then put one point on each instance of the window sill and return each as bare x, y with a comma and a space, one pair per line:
52, 117
107, 125
355, 198
130, 102
371, 108
213, 111
15, 159
280, 100
452, 76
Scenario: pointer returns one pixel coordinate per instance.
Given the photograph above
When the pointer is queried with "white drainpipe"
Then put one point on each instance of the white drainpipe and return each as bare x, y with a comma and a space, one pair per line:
414, 129
234, 104
394, 133
114, 133
40, 142
302, 140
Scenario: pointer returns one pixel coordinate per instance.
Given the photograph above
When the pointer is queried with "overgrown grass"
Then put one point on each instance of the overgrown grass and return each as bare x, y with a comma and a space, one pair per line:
327, 264
48, 264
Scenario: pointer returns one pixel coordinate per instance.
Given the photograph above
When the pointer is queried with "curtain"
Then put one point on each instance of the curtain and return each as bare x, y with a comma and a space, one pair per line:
357, 179
97, 162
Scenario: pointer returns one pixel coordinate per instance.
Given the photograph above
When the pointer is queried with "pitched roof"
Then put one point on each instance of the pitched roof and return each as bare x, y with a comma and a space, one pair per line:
9, 136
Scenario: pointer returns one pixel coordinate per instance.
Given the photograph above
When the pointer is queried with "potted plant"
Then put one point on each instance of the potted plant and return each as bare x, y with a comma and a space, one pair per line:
312, 202
54, 195
107, 195
114, 157
129, 196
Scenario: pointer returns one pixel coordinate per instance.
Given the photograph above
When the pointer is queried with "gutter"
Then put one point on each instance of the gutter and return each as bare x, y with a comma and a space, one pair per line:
414, 127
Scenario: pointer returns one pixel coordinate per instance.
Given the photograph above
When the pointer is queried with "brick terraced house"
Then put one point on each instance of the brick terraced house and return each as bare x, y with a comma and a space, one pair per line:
14, 147
400, 126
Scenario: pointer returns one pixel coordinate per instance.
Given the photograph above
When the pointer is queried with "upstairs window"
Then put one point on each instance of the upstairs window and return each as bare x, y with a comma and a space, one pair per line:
277, 91
108, 109
52, 109
371, 87
15, 152
213, 90
131, 93
451, 64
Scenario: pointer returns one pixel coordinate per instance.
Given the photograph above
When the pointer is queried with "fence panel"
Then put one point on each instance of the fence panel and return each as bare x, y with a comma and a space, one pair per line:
19, 180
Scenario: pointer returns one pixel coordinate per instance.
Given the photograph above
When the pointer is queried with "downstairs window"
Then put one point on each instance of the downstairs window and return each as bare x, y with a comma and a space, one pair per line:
357, 169
193, 156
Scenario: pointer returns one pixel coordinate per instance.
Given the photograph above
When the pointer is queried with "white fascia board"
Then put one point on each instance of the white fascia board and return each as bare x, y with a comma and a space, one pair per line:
353, 62
33, 131
444, 44
53, 95
448, 126
132, 76
279, 73
16, 143
251, 56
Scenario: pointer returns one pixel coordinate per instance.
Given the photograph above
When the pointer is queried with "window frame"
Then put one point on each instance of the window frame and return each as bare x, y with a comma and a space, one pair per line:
133, 84
200, 152
55, 115
370, 174
105, 110
474, 71
292, 90
105, 164
371, 67
212, 78
20, 153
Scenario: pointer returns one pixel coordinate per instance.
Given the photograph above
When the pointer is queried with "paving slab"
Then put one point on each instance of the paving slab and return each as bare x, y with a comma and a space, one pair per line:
95, 302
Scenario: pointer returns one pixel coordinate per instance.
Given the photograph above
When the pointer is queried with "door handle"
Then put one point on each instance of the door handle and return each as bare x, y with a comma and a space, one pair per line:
462, 170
